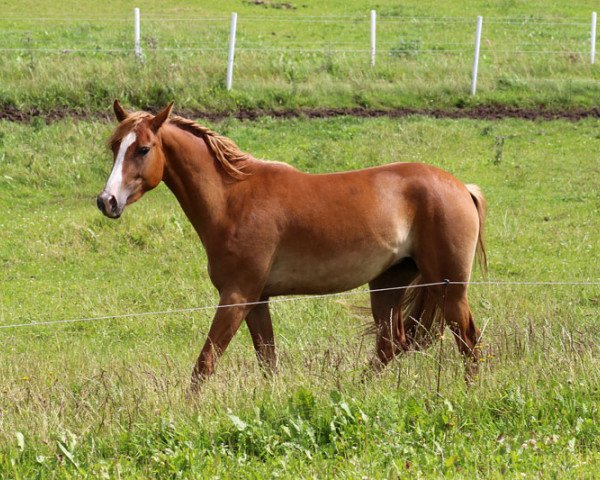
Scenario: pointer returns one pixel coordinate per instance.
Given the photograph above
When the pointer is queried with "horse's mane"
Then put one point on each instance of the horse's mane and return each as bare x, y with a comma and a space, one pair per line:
227, 153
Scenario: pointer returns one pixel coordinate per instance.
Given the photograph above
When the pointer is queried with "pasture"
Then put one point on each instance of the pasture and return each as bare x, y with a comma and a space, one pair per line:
108, 398
296, 55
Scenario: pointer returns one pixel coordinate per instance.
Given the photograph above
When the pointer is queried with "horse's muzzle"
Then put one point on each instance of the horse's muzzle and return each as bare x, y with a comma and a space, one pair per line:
108, 205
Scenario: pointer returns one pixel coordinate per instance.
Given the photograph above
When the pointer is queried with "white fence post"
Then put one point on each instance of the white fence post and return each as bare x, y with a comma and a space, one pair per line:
373, 30
231, 50
476, 57
136, 33
593, 39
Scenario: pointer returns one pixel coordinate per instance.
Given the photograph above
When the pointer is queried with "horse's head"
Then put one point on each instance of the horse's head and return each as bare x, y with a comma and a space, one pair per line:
138, 159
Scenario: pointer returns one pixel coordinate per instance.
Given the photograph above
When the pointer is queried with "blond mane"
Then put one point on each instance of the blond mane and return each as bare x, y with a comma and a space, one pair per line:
227, 153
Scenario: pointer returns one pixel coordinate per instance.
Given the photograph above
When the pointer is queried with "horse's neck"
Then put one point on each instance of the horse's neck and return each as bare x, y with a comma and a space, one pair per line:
194, 178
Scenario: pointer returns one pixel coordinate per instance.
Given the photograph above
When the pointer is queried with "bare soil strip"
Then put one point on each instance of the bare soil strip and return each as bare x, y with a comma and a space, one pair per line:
482, 112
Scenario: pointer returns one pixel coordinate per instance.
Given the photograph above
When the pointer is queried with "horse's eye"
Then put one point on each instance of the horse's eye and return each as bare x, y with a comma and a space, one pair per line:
143, 150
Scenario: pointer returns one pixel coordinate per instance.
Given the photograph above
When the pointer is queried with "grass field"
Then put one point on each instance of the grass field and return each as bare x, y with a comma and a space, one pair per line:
109, 398
533, 55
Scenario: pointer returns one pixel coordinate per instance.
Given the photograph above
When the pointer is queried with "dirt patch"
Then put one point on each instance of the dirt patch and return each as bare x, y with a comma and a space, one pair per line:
483, 112
263, 3
13, 114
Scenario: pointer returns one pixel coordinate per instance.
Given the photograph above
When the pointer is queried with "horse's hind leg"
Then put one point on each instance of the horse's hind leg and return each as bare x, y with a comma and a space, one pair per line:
449, 255
460, 320
452, 300
386, 307
261, 330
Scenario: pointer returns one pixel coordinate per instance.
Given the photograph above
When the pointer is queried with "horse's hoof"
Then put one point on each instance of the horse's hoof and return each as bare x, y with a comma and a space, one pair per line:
373, 368
269, 373
471, 374
196, 384
376, 365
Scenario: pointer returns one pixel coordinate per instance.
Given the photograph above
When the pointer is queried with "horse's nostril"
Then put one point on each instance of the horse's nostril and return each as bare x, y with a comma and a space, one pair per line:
112, 201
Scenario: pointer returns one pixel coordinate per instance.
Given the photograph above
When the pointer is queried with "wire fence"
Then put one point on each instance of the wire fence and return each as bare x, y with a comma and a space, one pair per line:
366, 39
389, 29
291, 299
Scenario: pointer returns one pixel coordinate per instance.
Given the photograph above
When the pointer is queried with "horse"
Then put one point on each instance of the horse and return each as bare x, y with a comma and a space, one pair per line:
269, 229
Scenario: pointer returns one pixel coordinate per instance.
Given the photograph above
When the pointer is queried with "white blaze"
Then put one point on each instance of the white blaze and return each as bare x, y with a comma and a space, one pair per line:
114, 185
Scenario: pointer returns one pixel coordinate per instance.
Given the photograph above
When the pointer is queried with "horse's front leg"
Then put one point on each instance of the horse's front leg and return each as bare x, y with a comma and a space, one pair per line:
230, 314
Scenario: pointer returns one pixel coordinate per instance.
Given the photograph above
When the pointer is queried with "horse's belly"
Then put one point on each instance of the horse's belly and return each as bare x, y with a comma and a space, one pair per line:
301, 273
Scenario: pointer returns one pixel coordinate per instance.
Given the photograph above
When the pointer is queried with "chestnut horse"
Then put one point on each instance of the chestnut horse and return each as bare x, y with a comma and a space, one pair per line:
269, 229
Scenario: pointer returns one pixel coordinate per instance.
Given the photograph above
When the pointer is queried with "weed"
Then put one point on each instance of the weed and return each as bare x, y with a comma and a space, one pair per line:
499, 141
406, 48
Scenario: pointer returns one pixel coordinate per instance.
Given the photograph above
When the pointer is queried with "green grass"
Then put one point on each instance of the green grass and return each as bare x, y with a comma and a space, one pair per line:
424, 55
109, 398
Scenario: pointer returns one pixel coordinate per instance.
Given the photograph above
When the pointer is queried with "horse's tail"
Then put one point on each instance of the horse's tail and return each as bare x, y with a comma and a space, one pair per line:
481, 205
420, 311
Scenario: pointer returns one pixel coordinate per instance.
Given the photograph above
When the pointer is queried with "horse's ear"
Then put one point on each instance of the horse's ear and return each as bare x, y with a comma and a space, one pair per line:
120, 112
161, 117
